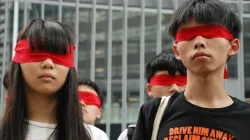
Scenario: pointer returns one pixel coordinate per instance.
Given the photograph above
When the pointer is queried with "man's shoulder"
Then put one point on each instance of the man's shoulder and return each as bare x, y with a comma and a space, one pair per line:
150, 108
96, 132
126, 132
152, 102
155, 102
241, 105
123, 135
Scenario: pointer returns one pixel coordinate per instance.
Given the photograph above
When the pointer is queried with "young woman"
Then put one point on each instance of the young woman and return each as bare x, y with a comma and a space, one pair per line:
43, 97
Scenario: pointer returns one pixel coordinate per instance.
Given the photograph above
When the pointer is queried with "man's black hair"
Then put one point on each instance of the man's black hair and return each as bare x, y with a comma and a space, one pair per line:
166, 60
206, 12
94, 86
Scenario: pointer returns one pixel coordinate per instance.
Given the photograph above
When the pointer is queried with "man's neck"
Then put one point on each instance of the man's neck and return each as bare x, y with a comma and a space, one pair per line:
207, 91
41, 108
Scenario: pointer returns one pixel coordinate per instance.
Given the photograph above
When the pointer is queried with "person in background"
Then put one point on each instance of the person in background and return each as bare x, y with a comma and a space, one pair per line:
91, 99
165, 75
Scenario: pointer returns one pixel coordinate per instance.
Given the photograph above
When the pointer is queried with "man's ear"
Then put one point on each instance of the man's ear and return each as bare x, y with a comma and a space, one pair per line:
99, 113
176, 53
149, 90
235, 47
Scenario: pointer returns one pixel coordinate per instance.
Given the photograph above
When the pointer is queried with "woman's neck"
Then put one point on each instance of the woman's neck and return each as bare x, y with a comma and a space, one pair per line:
41, 108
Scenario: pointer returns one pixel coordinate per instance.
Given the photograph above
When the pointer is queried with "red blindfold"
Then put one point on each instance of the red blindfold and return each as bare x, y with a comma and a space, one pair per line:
24, 54
208, 31
166, 80
89, 98
225, 73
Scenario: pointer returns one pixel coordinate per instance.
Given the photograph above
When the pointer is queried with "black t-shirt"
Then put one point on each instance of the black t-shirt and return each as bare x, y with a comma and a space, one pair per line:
185, 121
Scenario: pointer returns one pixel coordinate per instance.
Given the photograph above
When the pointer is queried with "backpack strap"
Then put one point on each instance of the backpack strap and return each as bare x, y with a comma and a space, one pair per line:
158, 116
131, 129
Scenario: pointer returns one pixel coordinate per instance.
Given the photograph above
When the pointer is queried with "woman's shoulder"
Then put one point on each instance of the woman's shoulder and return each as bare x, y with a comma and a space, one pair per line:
96, 133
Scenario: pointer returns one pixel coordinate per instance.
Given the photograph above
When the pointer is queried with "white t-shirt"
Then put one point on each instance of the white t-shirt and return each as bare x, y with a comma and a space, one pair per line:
123, 135
42, 131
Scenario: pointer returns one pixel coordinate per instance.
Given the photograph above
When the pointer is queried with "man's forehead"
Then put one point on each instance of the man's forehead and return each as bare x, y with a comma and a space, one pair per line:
166, 73
86, 88
191, 23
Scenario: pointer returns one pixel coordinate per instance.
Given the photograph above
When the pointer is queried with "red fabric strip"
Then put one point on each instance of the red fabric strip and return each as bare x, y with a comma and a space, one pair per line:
24, 54
89, 98
225, 73
166, 80
207, 31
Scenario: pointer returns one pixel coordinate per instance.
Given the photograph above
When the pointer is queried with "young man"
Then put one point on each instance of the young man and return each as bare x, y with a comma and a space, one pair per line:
206, 33
165, 76
91, 99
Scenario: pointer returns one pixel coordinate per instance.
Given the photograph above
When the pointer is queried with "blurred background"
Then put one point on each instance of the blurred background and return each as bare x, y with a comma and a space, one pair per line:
115, 38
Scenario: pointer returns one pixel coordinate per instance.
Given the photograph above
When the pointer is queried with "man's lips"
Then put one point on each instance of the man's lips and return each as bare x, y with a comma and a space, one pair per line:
200, 54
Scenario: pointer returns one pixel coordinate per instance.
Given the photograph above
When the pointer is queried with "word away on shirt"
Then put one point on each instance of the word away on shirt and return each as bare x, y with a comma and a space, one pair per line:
197, 133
